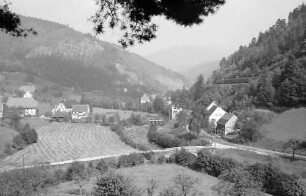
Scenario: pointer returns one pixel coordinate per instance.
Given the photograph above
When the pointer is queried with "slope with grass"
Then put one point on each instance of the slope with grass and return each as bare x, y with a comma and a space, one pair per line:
290, 124
124, 114
6, 136
61, 142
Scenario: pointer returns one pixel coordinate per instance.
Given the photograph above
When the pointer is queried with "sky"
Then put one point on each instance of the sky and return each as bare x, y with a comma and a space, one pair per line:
234, 24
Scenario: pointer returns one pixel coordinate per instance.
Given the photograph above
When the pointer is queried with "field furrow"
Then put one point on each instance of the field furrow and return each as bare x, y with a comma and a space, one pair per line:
61, 142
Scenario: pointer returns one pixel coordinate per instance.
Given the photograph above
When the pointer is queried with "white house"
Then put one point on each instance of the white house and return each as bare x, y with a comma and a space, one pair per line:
29, 105
64, 106
174, 111
28, 95
226, 124
80, 113
215, 113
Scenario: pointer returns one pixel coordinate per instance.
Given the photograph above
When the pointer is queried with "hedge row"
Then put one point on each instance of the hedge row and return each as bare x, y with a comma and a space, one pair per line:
119, 130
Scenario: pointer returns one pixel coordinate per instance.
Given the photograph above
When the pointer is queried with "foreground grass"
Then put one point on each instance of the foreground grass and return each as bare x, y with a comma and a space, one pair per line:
162, 174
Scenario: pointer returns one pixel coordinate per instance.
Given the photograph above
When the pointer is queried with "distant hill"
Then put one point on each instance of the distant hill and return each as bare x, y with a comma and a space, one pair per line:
180, 58
72, 59
206, 69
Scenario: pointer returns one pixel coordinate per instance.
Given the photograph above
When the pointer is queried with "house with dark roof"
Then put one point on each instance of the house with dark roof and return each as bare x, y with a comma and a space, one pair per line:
226, 124
64, 106
80, 113
29, 106
214, 114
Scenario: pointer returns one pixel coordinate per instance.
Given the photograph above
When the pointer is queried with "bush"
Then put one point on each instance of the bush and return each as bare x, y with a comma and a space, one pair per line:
102, 166
115, 184
59, 176
75, 169
176, 125
8, 149
212, 164
130, 160
136, 119
184, 158
148, 155
18, 142
29, 136
165, 140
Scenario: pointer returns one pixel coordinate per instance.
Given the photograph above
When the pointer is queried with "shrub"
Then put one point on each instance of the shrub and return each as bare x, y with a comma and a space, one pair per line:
212, 164
165, 140
115, 184
18, 142
29, 136
176, 125
58, 176
75, 169
102, 166
148, 155
8, 149
136, 119
184, 158
130, 160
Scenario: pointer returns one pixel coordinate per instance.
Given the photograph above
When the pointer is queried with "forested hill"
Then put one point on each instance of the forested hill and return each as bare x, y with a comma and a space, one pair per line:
278, 57
70, 58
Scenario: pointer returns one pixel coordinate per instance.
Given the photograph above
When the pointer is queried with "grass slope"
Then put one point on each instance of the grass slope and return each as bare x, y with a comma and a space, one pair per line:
60, 142
287, 125
124, 114
6, 136
163, 174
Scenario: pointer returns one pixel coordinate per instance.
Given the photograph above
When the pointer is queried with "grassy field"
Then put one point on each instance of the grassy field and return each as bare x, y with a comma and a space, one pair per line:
60, 142
287, 125
124, 114
296, 167
139, 135
6, 136
35, 123
163, 174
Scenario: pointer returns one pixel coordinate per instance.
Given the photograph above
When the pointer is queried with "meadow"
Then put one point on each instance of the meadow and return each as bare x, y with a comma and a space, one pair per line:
124, 114
60, 142
290, 124
163, 174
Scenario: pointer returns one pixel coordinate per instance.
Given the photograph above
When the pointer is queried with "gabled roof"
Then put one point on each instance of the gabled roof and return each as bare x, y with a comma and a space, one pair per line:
212, 109
22, 102
25, 89
69, 103
80, 108
225, 118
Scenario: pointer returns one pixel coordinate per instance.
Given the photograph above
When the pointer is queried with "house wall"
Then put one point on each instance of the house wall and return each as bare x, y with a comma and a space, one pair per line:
230, 125
216, 115
175, 111
30, 112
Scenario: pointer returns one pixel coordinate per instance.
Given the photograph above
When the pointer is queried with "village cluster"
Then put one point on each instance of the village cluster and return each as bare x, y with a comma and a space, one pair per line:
28, 106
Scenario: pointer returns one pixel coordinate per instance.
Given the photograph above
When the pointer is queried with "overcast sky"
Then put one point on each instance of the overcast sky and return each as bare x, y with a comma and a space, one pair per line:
235, 23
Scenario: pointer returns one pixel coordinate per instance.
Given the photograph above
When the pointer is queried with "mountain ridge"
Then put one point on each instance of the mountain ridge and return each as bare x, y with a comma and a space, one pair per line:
57, 44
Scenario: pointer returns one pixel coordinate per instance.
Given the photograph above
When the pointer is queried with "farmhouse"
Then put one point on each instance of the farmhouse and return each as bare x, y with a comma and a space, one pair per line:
80, 113
214, 114
175, 110
28, 105
226, 124
64, 106
28, 95
211, 105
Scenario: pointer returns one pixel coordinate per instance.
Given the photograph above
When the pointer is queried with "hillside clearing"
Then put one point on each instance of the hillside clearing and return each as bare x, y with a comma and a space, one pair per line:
287, 125
6, 136
61, 142
124, 114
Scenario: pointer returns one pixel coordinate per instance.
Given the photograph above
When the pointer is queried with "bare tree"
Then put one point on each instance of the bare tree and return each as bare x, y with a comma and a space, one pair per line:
185, 183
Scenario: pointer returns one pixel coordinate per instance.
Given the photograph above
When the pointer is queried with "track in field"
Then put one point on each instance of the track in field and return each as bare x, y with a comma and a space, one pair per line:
60, 142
